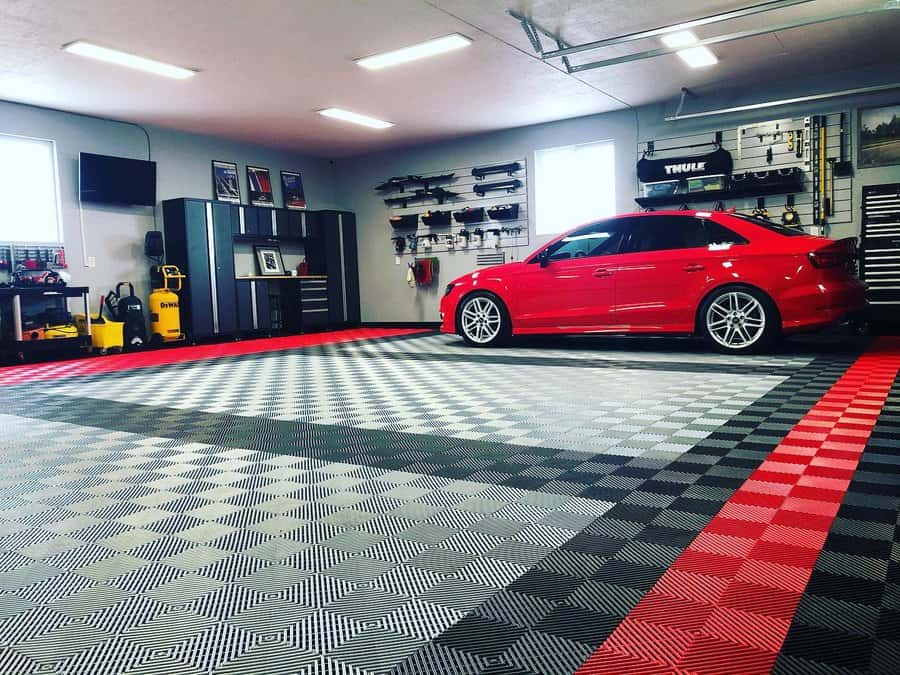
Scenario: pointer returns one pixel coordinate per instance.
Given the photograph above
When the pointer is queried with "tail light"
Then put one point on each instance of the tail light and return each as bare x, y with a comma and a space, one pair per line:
839, 253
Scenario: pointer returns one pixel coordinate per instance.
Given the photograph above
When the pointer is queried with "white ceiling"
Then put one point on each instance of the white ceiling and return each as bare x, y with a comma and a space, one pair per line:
268, 65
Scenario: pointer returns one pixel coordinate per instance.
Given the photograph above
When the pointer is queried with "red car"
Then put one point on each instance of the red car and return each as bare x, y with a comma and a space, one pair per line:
738, 281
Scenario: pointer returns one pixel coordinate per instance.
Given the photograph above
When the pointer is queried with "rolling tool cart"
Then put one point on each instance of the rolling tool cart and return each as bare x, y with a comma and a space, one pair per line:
36, 319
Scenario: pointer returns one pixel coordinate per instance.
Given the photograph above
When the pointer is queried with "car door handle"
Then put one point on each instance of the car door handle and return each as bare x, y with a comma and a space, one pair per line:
694, 267
602, 272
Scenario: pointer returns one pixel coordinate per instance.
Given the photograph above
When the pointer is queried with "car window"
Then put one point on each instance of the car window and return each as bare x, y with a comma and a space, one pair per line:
591, 241
717, 235
772, 227
663, 233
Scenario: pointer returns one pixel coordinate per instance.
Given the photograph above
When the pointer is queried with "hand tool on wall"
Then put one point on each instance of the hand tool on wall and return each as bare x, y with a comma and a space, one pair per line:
761, 211
399, 244
496, 233
790, 217
823, 170
477, 237
463, 237
843, 168
829, 200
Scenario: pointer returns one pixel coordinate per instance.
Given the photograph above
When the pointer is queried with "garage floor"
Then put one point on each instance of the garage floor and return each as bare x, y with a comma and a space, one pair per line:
394, 502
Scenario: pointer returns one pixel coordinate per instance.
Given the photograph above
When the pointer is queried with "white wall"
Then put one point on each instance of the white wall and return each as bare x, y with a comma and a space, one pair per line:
385, 295
115, 235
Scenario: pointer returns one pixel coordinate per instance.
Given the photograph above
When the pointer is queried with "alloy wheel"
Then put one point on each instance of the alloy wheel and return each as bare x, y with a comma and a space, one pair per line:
481, 320
736, 320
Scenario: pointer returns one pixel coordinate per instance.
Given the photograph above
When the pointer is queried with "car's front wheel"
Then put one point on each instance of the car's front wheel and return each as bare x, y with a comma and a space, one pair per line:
739, 319
482, 320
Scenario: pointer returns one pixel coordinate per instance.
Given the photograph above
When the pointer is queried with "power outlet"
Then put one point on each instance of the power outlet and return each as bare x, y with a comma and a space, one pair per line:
91, 261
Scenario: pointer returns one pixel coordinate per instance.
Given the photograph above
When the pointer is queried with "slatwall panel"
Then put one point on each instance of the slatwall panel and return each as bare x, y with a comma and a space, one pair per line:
463, 183
753, 158
880, 247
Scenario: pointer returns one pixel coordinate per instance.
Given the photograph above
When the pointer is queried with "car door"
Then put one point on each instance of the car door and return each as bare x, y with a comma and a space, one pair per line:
574, 289
660, 273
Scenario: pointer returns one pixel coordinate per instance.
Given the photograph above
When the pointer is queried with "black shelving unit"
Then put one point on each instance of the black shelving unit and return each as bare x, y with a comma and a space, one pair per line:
719, 195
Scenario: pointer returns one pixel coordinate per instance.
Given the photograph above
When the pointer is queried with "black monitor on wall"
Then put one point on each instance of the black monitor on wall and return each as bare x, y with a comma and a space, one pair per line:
117, 180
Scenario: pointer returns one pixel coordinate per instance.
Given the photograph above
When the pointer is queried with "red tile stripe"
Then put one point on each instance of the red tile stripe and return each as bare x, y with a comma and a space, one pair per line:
726, 604
158, 357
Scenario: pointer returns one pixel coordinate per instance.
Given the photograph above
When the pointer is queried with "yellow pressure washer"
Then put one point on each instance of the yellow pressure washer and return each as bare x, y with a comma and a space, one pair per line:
165, 316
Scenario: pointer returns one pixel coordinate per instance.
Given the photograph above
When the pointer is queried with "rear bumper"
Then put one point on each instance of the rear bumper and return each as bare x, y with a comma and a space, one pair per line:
819, 305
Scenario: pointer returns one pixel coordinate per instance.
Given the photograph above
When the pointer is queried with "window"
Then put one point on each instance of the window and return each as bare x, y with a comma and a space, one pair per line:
573, 185
769, 225
717, 235
29, 207
599, 239
663, 233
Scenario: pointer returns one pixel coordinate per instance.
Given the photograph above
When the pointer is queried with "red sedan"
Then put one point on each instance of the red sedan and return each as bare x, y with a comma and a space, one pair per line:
738, 281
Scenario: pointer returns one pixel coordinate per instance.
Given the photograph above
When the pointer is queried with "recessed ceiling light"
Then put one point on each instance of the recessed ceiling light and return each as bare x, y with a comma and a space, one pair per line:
355, 118
682, 38
698, 57
413, 52
128, 60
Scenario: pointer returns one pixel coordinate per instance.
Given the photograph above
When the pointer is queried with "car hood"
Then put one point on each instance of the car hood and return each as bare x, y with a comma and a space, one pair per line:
494, 272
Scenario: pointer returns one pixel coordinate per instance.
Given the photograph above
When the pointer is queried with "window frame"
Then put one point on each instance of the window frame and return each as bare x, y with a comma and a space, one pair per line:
57, 197
555, 230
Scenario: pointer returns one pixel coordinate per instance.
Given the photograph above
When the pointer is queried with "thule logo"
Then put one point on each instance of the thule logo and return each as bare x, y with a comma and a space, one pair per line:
685, 167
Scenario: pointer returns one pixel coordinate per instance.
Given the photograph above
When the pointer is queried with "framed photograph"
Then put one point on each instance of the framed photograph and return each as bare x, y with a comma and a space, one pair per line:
268, 258
260, 186
225, 182
879, 136
292, 190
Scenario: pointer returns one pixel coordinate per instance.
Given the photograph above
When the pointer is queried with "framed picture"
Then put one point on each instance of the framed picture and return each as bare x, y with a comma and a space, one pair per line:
269, 260
292, 190
225, 182
879, 136
260, 186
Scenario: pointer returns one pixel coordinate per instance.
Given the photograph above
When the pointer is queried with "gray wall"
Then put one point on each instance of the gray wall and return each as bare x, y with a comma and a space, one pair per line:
385, 296
115, 235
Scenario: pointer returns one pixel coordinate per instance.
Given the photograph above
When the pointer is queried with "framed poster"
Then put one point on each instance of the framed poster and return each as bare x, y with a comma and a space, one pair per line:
225, 182
879, 136
269, 260
259, 184
292, 190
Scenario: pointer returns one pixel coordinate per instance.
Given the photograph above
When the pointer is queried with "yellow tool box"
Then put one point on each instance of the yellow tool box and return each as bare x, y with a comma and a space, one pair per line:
106, 335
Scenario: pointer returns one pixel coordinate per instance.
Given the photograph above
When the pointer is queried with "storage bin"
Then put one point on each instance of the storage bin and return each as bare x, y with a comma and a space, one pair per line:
710, 183
410, 220
436, 218
104, 336
504, 212
663, 188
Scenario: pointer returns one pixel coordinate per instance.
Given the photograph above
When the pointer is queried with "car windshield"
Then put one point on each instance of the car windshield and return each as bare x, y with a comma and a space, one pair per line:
772, 227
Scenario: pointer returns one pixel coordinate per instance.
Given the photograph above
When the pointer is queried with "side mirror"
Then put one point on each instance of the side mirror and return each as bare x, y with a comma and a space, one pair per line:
544, 258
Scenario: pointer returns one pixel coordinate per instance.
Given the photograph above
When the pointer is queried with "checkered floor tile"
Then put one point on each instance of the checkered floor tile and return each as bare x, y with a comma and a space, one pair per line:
406, 506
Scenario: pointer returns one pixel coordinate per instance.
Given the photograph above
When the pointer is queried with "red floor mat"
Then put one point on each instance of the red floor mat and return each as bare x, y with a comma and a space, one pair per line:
113, 363
725, 605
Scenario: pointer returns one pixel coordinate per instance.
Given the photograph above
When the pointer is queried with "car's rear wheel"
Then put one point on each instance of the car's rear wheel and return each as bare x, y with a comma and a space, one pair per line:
739, 319
483, 320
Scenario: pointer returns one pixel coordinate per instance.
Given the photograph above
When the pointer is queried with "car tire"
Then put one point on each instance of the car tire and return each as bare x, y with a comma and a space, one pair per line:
739, 320
482, 320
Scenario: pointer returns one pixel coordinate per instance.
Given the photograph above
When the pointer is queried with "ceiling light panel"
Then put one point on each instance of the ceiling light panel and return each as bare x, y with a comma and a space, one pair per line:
355, 118
82, 48
698, 57
415, 52
683, 38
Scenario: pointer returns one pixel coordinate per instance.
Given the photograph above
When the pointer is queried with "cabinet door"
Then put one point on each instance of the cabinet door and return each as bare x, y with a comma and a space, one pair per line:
294, 225
333, 266
265, 221
351, 267
243, 301
262, 304
223, 254
251, 220
199, 317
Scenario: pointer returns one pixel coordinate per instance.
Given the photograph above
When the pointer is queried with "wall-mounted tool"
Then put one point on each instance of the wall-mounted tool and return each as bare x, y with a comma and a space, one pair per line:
408, 221
829, 200
477, 237
514, 231
772, 132
790, 217
428, 240
505, 185
496, 233
399, 183
438, 193
509, 169
450, 241
504, 212
800, 147
843, 168
463, 237
436, 218
469, 215
412, 243
399, 244
761, 211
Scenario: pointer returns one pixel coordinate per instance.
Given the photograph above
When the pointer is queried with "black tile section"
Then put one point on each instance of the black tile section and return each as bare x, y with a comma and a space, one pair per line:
849, 618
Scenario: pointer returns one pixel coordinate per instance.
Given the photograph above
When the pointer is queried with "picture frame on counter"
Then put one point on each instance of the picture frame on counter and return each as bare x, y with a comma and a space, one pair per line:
226, 187
269, 261
292, 191
259, 185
